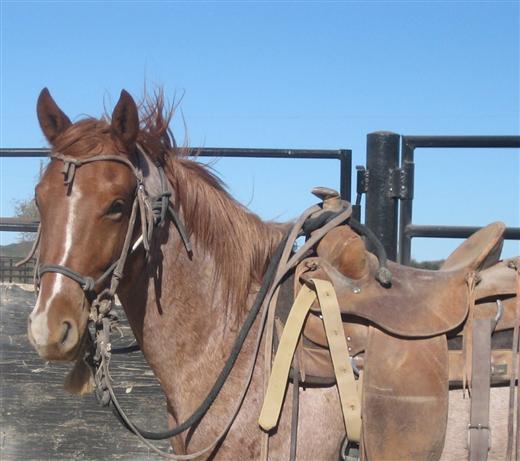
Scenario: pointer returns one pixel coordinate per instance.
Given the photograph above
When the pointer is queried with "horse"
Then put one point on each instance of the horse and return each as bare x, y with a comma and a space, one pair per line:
183, 310
186, 285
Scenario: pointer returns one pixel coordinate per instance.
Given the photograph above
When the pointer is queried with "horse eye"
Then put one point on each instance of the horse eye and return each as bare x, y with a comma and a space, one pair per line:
116, 208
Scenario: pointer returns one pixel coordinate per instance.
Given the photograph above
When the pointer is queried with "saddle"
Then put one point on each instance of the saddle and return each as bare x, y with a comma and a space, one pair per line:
398, 334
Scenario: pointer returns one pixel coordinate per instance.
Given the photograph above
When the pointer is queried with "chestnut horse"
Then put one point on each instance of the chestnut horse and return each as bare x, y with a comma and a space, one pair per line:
185, 312
185, 309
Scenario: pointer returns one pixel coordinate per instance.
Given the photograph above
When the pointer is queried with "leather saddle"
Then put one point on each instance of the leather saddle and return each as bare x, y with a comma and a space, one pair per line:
398, 333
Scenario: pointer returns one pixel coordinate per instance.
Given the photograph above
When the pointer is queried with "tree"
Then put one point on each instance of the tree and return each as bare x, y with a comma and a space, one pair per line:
431, 265
26, 209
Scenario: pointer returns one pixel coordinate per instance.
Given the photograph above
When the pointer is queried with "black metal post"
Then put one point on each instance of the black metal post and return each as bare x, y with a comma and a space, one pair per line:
345, 174
381, 209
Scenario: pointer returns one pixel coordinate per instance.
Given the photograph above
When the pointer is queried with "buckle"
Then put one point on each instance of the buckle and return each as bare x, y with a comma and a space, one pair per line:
479, 427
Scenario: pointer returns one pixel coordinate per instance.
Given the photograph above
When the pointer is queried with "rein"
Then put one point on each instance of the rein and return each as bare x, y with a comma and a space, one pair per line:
281, 263
152, 212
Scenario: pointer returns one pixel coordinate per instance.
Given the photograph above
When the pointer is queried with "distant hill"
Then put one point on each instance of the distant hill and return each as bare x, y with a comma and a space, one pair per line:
16, 250
432, 265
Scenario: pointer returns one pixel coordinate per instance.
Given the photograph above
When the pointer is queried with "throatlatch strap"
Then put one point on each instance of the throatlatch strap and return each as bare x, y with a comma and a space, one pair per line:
346, 382
280, 372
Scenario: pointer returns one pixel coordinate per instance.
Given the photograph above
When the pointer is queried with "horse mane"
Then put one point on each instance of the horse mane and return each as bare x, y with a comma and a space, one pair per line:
240, 243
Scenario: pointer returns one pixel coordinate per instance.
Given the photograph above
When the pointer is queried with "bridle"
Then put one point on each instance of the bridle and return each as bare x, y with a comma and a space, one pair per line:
152, 211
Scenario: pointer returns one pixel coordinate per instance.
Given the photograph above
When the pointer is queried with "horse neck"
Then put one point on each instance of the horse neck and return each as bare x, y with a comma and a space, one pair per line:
184, 316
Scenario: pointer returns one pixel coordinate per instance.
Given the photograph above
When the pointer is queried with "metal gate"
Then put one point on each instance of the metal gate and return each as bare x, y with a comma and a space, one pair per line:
388, 181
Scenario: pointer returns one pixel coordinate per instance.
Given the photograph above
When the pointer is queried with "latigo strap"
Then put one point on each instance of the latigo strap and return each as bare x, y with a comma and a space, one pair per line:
347, 385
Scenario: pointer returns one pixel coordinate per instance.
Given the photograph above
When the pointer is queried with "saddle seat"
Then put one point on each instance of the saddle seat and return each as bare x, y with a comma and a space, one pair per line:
419, 303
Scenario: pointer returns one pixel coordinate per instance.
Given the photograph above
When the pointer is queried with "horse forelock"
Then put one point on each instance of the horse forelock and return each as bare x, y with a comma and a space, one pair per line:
86, 138
91, 136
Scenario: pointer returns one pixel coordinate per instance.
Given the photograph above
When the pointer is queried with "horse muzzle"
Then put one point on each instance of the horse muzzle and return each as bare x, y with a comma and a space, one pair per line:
53, 340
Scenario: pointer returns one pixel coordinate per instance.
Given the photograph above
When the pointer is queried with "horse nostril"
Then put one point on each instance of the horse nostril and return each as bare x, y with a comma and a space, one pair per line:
67, 327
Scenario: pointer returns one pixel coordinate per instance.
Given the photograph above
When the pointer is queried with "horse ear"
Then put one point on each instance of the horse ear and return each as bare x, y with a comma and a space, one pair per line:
52, 120
125, 119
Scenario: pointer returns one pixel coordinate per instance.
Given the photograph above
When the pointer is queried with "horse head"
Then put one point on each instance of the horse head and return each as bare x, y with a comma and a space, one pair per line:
85, 208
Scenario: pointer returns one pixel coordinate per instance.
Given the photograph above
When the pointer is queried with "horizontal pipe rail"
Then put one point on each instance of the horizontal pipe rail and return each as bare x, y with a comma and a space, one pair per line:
343, 155
19, 224
462, 141
415, 230
214, 152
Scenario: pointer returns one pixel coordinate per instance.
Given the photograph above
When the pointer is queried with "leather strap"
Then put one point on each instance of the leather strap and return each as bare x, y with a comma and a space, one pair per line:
514, 373
273, 400
347, 386
467, 342
271, 302
295, 410
479, 430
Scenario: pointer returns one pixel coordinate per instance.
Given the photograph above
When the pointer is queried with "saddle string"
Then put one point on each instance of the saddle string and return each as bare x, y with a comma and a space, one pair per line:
271, 308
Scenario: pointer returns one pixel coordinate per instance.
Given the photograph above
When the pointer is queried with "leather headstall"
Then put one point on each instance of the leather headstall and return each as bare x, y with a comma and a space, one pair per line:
152, 211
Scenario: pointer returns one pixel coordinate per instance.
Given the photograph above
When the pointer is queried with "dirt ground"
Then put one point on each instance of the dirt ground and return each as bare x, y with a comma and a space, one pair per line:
40, 421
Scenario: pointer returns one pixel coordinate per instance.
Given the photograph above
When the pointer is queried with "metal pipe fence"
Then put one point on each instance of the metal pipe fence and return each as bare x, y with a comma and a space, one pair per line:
344, 156
408, 146
390, 184
12, 274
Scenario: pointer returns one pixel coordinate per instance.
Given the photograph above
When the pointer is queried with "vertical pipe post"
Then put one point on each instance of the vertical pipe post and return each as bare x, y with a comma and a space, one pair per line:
345, 173
381, 210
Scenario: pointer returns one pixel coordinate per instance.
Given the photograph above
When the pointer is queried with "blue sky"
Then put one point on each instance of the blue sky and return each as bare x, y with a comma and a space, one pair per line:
285, 75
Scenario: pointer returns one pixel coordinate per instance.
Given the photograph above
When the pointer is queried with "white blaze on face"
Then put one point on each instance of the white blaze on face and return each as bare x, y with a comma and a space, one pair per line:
39, 325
